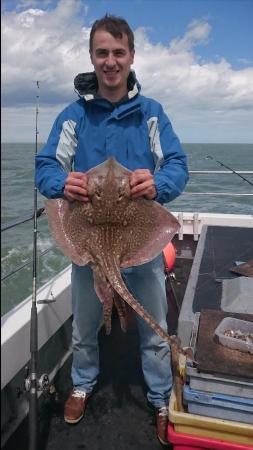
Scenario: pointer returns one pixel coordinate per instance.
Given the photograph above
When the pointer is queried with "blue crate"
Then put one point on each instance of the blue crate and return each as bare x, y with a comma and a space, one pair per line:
239, 409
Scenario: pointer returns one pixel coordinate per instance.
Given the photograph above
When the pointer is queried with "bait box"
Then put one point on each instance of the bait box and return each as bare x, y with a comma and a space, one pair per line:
230, 323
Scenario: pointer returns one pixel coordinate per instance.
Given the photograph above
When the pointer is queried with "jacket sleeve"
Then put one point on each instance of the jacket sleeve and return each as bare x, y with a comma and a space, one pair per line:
171, 174
55, 159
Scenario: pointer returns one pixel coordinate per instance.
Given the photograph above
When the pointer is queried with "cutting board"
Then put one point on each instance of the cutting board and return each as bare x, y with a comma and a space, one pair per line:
213, 357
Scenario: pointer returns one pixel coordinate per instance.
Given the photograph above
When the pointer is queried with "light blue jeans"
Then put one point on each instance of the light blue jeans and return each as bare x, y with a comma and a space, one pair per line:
147, 284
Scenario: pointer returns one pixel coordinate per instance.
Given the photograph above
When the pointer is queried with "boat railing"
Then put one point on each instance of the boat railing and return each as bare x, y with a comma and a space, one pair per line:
29, 217
221, 172
41, 212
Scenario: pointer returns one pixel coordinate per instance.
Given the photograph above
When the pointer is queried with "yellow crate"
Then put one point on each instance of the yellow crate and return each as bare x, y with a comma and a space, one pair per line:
211, 427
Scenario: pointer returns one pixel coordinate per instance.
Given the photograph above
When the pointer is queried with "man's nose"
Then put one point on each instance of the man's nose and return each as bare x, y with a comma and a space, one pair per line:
110, 60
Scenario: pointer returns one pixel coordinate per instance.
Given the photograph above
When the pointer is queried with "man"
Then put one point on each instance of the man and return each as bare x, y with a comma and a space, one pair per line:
111, 118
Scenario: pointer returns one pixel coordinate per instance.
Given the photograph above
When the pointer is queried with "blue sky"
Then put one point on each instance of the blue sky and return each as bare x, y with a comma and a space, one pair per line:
194, 56
166, 19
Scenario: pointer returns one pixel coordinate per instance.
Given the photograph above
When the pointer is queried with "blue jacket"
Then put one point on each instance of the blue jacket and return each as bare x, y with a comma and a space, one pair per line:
135, 131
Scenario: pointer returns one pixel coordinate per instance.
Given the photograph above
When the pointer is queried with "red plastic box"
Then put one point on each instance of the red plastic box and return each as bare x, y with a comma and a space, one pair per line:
183, 441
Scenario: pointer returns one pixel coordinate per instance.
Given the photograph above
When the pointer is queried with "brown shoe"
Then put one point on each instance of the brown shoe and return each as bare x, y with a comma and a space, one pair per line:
75, 406
162, 421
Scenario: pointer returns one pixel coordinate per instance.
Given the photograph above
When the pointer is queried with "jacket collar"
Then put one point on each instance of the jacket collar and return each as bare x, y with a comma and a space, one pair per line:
86, 85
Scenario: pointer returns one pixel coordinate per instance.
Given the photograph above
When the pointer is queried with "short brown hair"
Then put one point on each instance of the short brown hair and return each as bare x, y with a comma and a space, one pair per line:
114, 25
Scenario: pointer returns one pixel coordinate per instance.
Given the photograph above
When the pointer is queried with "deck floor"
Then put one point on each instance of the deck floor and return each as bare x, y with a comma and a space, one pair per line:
118, 416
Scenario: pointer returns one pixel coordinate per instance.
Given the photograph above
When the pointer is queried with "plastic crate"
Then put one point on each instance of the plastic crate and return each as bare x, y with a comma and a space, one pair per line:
208, 382
182, 441
230, 323
209, 427
221, 406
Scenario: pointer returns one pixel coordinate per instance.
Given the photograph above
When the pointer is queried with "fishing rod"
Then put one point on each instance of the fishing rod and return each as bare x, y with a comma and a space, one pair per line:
32, 384
33, 420
230, 168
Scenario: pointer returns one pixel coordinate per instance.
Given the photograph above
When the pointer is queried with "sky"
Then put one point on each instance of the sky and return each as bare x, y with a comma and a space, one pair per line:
193, 56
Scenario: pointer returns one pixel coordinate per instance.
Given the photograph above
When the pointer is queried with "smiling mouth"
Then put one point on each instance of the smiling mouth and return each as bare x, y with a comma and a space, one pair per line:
111, 72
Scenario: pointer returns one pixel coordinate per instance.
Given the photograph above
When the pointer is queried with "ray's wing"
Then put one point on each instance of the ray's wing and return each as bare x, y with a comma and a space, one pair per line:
68, 229
152, 228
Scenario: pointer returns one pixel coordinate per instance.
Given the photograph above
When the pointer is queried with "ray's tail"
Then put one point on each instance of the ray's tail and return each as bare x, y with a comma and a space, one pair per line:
115, 279
118, 285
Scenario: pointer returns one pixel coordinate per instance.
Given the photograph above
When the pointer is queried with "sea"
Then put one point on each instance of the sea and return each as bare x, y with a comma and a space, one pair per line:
18, 194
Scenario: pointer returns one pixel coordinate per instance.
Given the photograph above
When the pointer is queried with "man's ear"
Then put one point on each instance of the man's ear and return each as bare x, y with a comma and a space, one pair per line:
132, 54
91, 57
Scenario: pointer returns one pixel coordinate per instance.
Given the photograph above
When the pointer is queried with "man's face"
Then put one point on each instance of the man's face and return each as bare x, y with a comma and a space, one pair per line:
112, 61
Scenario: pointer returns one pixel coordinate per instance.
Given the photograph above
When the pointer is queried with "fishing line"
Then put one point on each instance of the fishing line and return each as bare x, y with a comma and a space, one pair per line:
230, 168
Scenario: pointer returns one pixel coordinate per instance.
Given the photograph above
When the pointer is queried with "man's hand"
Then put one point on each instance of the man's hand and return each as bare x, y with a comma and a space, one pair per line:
142, 184
76, 187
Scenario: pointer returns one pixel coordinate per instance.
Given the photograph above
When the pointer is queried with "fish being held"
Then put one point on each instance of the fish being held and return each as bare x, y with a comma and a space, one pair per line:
111, 232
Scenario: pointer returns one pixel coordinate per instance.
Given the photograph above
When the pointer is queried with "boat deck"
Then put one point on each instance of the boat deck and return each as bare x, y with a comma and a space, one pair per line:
219, 249
118, 416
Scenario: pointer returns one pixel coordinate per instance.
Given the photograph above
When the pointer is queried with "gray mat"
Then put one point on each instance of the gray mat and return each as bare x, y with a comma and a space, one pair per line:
237, 295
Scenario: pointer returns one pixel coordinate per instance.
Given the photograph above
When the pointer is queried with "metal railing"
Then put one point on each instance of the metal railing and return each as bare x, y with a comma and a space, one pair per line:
41, 211
29, 217
22, 220
222, 172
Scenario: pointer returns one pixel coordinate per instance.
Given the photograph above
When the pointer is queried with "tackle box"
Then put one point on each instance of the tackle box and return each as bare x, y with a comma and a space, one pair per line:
218, 405
209, 427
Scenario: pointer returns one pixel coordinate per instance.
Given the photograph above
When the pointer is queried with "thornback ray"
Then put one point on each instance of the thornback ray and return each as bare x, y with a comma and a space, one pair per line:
110, 232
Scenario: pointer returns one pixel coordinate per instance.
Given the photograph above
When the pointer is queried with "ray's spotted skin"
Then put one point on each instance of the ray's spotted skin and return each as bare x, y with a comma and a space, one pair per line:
110, 232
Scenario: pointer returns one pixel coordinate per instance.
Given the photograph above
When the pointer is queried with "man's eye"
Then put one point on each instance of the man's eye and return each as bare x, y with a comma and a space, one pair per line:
119, 53
102, 54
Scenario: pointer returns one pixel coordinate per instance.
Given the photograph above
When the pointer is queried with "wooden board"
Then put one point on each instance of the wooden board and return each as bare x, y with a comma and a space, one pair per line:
213, 357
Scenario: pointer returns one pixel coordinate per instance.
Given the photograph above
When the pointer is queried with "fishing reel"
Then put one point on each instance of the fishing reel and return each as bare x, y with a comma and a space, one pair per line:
43, 384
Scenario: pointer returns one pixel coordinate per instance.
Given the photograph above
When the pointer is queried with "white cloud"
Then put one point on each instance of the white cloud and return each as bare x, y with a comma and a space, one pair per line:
47, 46
198, 32
203, 98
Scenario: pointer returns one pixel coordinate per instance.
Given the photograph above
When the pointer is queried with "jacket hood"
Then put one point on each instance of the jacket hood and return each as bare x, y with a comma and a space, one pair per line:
86, 85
